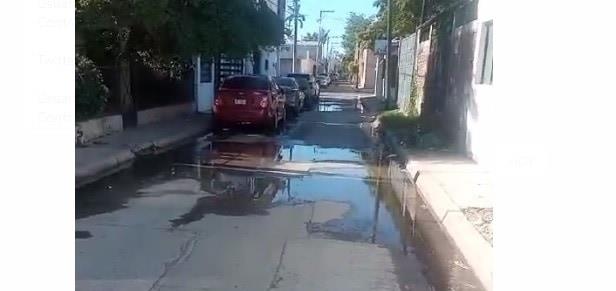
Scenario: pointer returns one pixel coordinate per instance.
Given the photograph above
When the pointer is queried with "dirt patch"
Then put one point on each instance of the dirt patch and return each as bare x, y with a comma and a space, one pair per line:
481, 218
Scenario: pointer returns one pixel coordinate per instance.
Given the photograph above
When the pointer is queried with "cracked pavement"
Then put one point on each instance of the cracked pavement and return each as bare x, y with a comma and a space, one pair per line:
204, 217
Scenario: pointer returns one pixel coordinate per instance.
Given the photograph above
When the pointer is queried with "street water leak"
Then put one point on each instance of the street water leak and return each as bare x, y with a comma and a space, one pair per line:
250, 175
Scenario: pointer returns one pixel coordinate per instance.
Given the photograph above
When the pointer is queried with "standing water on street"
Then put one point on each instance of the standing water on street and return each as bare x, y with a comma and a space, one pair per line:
264, 161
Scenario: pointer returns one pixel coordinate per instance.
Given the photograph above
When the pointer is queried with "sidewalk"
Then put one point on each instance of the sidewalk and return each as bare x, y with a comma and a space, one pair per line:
459, 195
457, 192
109, 154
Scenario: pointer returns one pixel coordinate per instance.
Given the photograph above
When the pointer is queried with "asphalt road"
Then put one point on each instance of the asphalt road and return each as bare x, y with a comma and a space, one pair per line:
303, 210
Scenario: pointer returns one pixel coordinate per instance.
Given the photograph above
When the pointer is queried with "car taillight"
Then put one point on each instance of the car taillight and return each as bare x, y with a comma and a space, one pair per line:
263, 102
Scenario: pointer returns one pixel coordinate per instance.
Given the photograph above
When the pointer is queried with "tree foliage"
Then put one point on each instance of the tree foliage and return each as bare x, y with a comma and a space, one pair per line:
405, 17
171, 29
355, 25
90, 92
314, 36
164, 34
290, 19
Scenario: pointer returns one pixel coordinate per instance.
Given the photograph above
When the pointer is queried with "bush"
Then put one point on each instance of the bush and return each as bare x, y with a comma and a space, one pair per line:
90, 93
406, 128
411, 131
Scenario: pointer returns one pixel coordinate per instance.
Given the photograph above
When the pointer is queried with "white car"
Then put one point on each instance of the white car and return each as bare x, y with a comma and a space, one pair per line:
324, 80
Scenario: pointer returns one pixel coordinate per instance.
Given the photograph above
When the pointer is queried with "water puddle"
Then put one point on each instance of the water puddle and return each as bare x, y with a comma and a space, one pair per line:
330, 107
313, 153
227, 175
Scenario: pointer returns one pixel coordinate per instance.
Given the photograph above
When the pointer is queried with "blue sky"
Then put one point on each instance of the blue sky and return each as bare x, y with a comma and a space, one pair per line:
333, 21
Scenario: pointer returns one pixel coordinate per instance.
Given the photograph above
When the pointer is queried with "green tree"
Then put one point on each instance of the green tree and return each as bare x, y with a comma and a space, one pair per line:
289, 20
355, 25
405, 17
314, 36
90, 92
162, 34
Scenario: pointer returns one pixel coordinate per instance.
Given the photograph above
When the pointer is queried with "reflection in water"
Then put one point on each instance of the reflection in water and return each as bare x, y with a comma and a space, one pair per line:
234, 194
242, 153
313, 153
375, 213
329, 107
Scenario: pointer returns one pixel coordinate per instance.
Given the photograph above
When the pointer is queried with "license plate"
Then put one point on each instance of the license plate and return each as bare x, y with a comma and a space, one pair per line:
240, 101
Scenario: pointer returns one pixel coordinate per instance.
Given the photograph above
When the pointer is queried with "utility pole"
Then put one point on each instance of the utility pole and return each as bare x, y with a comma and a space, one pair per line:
319, 40
295, 16
388, 101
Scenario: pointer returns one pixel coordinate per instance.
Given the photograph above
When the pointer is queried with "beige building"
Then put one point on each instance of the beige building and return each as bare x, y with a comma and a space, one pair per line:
366, 61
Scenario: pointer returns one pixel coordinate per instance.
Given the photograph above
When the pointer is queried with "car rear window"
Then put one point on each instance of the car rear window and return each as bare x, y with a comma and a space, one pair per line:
299, 76
302, 82
246, 83
287, 82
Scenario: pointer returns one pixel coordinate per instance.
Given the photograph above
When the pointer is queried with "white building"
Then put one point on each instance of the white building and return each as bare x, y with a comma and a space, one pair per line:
305, 61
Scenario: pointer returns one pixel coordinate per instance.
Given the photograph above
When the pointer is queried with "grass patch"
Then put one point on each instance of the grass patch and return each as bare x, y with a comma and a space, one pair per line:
411, 131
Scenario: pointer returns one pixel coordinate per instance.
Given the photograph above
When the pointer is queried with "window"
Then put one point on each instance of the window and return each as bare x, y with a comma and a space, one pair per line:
287, 82
246, 82
485, 72
266, 64
205, 75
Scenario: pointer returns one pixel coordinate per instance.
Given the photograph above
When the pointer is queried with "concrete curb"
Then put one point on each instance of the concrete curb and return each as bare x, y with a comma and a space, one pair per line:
170, 142
104, 167
124, 158
470, 243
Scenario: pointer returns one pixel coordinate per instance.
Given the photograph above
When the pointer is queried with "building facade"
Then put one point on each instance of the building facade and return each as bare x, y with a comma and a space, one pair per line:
305, 57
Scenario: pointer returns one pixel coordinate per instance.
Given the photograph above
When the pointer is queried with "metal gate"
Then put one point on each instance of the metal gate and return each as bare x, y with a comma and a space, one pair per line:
405, 72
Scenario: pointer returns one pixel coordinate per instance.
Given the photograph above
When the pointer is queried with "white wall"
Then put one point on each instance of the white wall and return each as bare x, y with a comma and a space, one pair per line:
484, 129
204, 96
272, 59
93, 128
306, 66
164, 113
303, 47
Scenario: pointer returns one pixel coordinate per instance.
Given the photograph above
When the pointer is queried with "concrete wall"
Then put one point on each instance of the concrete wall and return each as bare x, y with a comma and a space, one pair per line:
269, 62
165, 113
405, 72
286, 66
304, 49
97, 127
465, 108
367, 67
306, 66
483, 115
423, 55
379, 83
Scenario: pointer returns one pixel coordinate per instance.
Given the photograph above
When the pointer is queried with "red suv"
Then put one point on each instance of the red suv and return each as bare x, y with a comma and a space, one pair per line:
249, 100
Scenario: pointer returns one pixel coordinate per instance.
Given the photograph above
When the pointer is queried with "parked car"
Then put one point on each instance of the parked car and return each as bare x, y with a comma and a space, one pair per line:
249, 100
324, 80
293, 96
309, 85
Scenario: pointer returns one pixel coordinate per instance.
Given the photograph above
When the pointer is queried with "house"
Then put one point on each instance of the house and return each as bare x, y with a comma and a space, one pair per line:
366, 62
305, 57
209, 73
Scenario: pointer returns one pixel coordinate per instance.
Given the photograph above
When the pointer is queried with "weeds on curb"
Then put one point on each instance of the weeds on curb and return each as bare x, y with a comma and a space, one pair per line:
411, 131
